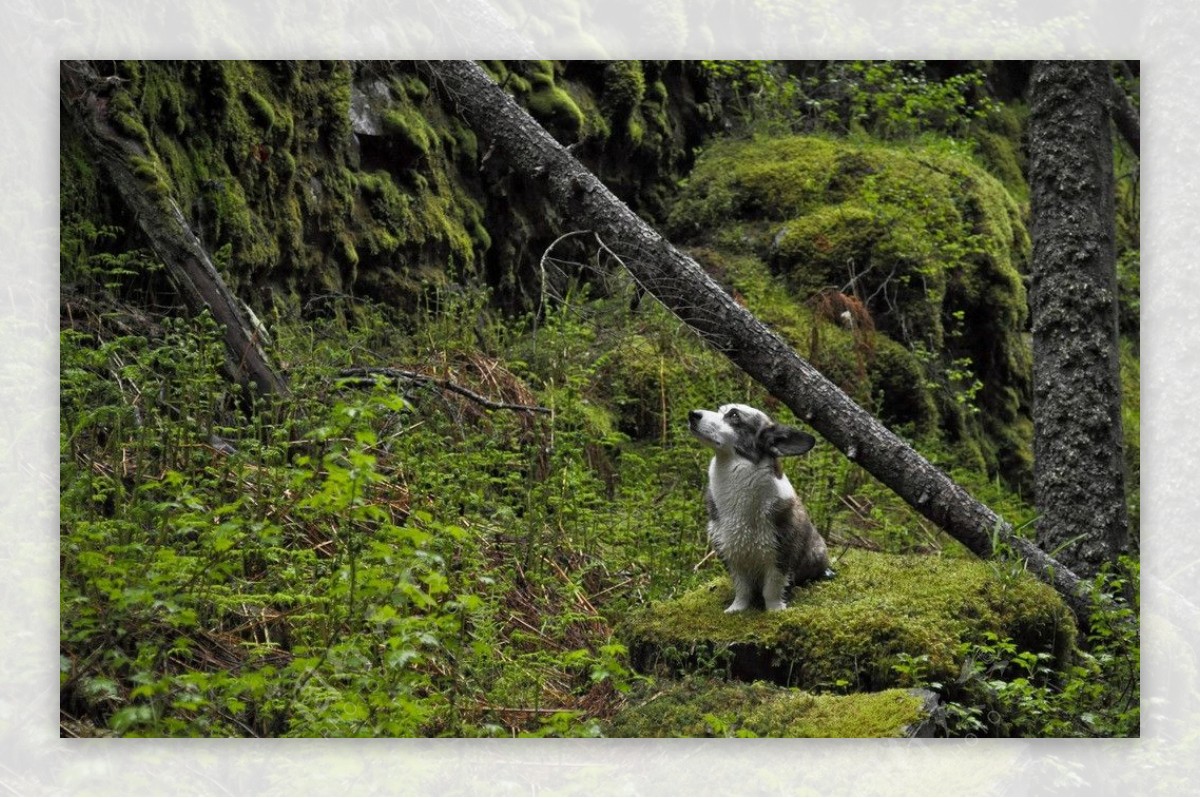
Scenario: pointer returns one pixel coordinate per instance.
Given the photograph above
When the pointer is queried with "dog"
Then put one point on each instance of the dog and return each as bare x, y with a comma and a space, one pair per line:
756, 522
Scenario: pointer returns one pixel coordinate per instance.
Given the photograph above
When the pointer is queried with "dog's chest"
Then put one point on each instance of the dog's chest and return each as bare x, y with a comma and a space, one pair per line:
746, 498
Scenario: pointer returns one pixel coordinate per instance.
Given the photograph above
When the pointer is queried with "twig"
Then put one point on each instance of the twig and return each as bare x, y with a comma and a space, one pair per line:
365, 373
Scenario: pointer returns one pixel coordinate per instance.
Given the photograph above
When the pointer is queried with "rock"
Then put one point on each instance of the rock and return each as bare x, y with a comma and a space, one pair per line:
366, 102
707, 707
884, 621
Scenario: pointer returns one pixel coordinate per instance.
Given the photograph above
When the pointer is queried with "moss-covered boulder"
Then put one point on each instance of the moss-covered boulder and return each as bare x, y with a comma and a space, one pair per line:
921, 236
705, 707
333, 179
884, 621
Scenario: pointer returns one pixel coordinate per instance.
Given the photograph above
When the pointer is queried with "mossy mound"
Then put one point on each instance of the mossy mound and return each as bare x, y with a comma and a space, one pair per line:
700, 707
849, 633
925, 239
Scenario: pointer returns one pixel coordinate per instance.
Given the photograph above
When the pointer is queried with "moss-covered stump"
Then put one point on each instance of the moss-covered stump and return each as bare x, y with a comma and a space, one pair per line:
706, 707
884, 621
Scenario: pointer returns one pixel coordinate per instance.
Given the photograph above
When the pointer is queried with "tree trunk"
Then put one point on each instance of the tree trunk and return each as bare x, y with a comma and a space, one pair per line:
684, 287
1125, 117
85, 96
1079, 471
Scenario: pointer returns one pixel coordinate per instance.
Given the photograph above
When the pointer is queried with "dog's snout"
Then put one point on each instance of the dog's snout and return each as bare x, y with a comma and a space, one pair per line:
694, 416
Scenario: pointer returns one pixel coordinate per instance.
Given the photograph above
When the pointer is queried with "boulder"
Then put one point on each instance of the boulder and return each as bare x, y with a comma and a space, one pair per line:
884, 621
706, 707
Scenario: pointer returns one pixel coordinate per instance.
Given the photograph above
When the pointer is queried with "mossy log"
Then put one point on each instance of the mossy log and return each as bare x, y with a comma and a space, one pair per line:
119, 142
688, 291
700, 707
848, 633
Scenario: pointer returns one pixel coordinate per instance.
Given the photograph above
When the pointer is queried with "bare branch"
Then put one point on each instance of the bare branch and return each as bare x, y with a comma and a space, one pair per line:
366, 374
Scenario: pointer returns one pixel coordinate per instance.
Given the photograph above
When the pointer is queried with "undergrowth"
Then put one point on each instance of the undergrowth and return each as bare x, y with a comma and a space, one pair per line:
394, 559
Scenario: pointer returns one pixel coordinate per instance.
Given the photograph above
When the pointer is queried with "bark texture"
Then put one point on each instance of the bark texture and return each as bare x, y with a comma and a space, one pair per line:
688, 291
85, 97
1125, 117
1078, 462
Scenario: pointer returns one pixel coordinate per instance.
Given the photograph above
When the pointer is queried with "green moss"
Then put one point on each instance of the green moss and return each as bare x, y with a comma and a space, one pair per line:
699, 707
150, 173
261, 111
125, 117
933, 244
346, 252
556, 110
624, 86
405, 123
844, 233
635, 129
540, 73
1001, 157
259, 155
852, 630
466, 145
413, 87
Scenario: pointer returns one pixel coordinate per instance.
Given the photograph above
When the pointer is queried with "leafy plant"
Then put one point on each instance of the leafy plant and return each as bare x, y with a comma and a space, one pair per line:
1006, 692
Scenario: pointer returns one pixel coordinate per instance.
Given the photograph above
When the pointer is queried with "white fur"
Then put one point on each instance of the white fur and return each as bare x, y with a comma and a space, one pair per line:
744, 492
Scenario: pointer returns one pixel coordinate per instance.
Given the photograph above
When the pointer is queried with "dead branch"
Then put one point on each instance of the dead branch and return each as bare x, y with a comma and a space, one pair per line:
366, 375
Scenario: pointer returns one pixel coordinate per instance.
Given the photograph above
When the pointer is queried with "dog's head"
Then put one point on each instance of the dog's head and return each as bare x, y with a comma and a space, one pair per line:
747, 432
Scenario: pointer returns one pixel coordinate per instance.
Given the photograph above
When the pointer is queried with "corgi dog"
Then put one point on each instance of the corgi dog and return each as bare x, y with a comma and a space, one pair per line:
756, 522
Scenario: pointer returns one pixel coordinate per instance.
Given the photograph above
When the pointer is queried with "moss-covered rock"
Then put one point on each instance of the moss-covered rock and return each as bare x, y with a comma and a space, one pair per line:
850, 632
931, 244
705, 707
285, 164
310, 186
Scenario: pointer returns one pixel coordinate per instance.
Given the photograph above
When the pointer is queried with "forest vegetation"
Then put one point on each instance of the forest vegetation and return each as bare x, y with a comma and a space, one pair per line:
480, 470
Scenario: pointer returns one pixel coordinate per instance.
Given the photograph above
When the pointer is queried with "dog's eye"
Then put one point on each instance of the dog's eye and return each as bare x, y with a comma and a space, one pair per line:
732, 415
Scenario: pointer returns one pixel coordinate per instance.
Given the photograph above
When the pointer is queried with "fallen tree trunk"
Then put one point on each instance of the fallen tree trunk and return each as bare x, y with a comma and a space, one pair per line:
691, 294
136, 173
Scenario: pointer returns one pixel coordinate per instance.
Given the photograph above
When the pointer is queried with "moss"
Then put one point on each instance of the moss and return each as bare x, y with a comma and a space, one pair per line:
900, 382
624, 86
931, 242
845, 233
540, 73
413, 87
852, 630
1001, 157
466, 145
149, 172
700, 707
125, 117
556, 110
261, 111
346, 252
410, 127
259, 155
635, 129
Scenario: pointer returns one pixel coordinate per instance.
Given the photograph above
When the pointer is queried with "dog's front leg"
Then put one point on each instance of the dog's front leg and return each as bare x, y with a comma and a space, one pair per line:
743, 593
774, 585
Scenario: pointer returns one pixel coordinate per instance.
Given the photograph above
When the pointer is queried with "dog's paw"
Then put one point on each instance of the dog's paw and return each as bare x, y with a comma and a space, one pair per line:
736, 606
776, 606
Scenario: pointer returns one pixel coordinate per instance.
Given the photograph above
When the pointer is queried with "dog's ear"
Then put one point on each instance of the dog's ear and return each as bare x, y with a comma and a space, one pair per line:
784, 441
